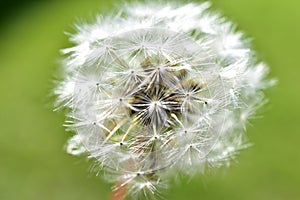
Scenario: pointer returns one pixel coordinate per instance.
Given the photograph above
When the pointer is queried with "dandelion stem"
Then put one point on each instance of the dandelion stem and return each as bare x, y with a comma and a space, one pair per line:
120, 192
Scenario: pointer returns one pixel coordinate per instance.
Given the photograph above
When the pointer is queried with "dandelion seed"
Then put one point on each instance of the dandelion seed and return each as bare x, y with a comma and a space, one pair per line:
159, 89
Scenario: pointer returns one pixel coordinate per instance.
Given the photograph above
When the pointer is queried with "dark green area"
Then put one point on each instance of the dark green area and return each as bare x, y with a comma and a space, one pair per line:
33, 164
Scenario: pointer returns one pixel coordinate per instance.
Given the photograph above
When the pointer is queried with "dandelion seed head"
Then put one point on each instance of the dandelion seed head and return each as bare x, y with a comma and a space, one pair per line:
159, 88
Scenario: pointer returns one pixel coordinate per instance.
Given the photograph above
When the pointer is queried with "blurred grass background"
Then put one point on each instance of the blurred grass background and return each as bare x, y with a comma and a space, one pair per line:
33, 164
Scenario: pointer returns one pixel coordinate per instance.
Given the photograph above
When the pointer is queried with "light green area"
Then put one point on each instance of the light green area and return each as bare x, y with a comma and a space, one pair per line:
33, 164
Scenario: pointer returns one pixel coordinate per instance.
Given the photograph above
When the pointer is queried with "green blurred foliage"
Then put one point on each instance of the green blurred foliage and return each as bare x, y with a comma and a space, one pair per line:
33, 164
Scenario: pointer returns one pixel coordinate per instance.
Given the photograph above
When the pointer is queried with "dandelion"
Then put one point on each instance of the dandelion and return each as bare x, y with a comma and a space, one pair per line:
159, 89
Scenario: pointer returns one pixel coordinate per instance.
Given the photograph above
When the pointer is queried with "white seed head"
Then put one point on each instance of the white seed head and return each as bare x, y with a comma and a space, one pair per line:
158, 89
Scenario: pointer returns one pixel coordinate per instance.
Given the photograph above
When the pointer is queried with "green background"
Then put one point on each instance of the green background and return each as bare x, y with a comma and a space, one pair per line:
33, 163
